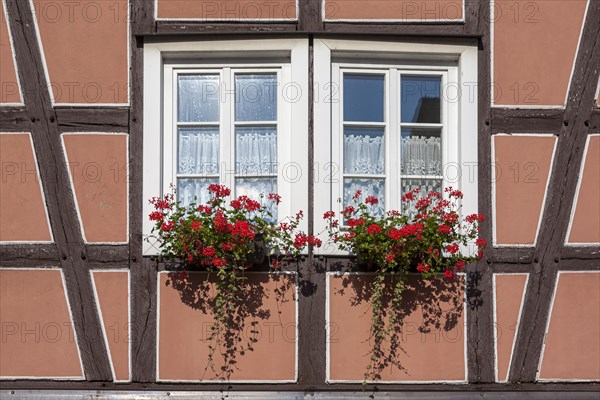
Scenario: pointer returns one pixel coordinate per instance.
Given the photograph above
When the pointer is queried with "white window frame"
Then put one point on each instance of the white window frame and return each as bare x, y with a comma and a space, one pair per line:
456, 64
163, 61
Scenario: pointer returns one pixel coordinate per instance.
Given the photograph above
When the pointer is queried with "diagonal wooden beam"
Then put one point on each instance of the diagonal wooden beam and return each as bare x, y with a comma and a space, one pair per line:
59, 198
563, 183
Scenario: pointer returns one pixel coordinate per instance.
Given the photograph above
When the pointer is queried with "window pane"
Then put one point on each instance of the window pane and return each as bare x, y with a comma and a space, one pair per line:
256, 150
364, 150
198, 98
425, 186
421, 151
198, 150
363, 98
369, 187
194, 190
256, 97
420, 99
254, 187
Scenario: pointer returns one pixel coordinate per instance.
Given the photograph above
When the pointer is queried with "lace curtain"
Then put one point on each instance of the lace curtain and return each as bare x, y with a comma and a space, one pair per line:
364, 152
421, 155
198, 151
256, 151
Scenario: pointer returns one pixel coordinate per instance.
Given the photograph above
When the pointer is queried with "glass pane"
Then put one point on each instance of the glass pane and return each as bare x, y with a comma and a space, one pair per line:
364, 150
425, 186
421, 151
256, 97
420, 99
198, 98
198, 150
369, 187
254, 187
194, 190
255, 150
363, 98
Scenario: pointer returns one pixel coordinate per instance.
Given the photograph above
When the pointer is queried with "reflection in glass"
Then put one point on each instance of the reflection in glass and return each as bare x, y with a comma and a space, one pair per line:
198, 150
256, 97
255, 150
363, 98
194, 190
421, 152
420, 99
369, 187
198, 97
364, 150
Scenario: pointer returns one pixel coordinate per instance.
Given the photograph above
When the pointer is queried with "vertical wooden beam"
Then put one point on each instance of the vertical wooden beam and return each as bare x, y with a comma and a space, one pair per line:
143, 271
309, 16
563, 183
57, 190
480, 346
311, 275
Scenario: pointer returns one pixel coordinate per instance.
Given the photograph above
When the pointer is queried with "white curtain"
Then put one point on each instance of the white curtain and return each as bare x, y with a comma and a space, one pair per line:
369, 187
425, 186
364, 154
421, 155
198, 151
256, 151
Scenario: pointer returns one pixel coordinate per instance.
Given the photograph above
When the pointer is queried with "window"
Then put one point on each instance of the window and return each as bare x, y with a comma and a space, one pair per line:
401, 116
226, 125
393, 131
225, 116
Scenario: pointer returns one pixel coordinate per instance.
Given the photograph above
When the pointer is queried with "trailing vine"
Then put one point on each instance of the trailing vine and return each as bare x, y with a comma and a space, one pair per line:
430, 238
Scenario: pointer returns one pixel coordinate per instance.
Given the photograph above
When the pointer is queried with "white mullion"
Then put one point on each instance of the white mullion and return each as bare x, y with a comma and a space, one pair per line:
256, 123
421, 125
369, 124
283, 142
170, 132
227, 131
393, 199
337, 140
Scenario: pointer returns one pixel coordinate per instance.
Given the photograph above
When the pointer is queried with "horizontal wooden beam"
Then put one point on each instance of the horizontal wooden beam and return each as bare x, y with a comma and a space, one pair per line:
93, 119
14, 119
512, 120
29, 255
202, 27
581, 253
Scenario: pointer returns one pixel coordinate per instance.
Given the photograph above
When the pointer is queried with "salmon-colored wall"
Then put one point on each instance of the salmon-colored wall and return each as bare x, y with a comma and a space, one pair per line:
424, 10
572, 347
98, 167
112, 289
22, 208
184, 327
586, 221
226, 9
37, 330
508, 297
85, 44
522, 167
534, 47
9, 86
434, 355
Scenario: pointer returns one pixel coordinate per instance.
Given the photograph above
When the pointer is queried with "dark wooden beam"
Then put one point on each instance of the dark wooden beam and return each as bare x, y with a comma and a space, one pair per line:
581, 253
201, 27
60, 202
512, 255
480, 346
143, 271
595, 121
555, 219
513, 120
14, 119
93, 119
309, 16
27, 255
485, 391
406, 29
